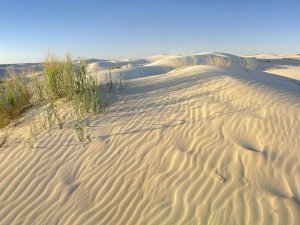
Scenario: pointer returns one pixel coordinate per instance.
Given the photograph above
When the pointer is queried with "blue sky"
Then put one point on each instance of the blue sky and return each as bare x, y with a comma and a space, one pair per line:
129, 29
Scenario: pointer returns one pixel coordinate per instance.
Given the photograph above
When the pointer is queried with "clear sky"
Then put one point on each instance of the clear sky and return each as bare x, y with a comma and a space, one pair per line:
129, 29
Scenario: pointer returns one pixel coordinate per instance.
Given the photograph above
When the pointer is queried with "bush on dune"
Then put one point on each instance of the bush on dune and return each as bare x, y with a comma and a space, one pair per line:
14, 99
65, 81
72, 83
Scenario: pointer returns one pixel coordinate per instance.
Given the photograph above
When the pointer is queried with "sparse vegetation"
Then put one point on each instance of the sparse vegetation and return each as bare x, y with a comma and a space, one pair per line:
77, 88
222, 62
53, 78
182, 62
64, 84
14, 99
38, 93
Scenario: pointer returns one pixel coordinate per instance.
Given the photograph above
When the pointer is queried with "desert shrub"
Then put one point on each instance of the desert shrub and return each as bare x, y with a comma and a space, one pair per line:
14, 99
65, 84
59, 77
86, 94
78, 89
53, 76
72, 82
222, 62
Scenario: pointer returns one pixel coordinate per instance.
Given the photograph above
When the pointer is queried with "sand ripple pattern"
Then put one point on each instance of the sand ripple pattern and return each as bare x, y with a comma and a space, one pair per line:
196, 146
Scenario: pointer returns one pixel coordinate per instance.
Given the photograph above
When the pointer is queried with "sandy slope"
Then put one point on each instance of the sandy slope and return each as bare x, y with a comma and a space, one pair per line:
200, 145
287, 65
287, 71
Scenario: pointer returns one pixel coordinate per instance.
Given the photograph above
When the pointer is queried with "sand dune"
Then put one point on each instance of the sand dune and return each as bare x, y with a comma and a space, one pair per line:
195, 145
285, 65
287, 71
18, 68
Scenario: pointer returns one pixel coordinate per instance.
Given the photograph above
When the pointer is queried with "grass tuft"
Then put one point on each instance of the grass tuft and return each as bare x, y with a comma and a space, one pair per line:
66, 83
14, 99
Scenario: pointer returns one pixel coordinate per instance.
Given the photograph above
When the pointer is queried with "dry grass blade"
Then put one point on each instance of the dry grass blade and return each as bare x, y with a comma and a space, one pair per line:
221, 62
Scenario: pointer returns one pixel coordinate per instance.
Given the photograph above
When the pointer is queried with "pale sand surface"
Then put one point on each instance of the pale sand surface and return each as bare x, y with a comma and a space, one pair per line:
287, 71
199, 145
287, 65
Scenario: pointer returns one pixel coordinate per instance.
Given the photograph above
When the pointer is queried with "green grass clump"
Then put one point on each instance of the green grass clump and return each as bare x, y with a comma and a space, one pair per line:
14, 99
86, 94
64, 84
53, 71
71, 82
59, 77
77, 88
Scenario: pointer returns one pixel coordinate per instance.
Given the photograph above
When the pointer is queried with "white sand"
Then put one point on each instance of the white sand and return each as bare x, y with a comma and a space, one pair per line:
199, 145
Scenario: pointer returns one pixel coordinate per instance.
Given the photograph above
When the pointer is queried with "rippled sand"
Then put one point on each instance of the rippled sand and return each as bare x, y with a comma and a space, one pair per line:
199, 145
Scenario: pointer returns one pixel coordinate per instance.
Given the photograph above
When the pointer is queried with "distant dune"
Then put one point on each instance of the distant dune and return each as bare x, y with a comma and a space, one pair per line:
208, 139
19, 68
